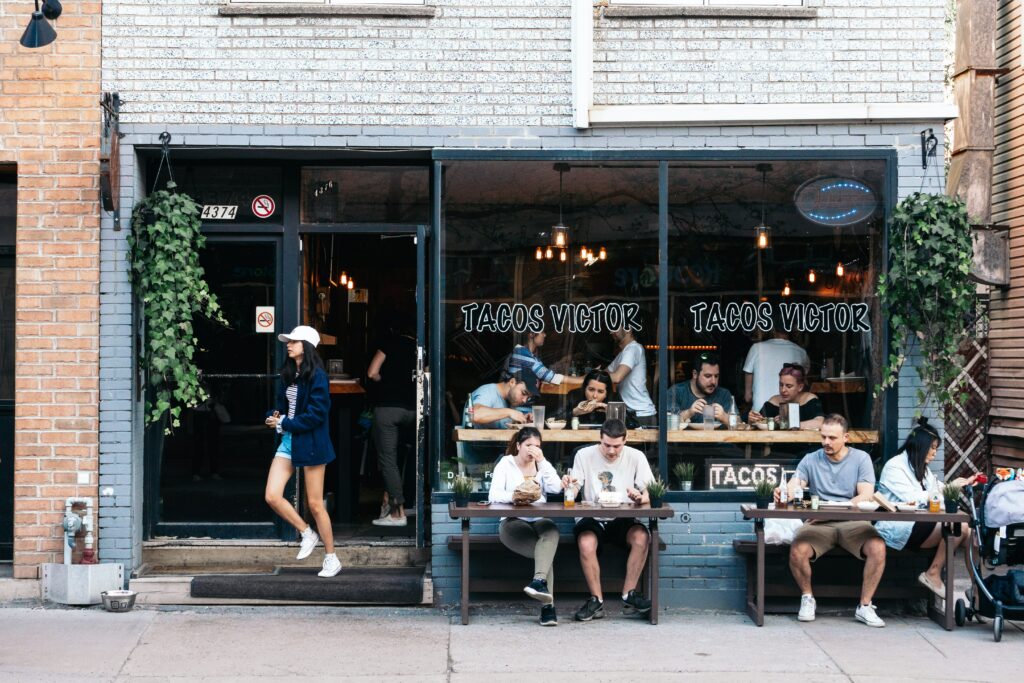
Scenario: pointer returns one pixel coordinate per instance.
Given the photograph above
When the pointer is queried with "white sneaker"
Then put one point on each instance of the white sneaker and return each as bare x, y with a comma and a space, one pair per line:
807, 607
332, 565
391, 521
866, 614
309, 540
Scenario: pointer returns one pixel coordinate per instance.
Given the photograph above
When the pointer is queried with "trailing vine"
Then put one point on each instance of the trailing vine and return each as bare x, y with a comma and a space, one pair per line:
929, 294
163, 252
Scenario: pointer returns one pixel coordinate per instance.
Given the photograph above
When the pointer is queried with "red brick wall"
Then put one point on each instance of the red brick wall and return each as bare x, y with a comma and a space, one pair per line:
50, 127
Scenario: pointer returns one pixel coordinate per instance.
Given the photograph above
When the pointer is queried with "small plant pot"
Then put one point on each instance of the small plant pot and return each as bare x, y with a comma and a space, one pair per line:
461, 501
762, 503
686, 486
952, 506
656, 502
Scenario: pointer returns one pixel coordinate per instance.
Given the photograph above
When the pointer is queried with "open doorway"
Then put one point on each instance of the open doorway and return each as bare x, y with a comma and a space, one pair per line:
359, 292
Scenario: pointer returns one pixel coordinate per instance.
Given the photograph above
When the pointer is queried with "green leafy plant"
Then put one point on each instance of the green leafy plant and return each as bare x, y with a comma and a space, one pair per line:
929, 294
951, 493
656, 488
684, 471
764, 489
462, 486
163, 252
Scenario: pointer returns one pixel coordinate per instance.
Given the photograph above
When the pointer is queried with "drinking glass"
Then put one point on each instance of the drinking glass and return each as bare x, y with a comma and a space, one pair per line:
708, 415
538, 417
617, 411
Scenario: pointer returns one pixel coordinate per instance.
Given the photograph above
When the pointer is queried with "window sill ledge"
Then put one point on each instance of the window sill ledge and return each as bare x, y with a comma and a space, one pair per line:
299, 10
653, 11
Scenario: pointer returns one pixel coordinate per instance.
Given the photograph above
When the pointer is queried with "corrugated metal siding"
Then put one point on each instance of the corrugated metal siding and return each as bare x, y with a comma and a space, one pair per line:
1007, 306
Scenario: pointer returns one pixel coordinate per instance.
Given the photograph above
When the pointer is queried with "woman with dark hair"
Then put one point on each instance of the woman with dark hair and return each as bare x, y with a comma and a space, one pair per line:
907, 479
792, 385
300, 416
535, 537
590, 402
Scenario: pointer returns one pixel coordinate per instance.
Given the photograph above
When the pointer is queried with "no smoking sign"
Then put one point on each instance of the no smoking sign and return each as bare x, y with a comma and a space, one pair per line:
263, 206
265, 319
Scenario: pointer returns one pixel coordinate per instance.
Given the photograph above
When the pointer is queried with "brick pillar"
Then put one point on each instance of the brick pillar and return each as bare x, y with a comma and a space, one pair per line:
50, 127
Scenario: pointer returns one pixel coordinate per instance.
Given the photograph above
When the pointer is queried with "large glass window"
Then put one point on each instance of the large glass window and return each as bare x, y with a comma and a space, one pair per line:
365, 194
771, 265
550, 270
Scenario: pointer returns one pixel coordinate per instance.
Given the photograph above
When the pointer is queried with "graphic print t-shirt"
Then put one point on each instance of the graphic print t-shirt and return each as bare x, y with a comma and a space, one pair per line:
597, 474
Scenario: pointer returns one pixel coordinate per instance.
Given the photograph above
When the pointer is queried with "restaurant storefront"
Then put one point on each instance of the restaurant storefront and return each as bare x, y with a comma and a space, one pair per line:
477, 251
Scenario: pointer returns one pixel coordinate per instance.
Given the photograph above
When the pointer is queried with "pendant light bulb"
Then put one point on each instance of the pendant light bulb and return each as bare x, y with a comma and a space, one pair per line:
559, 236
351, 283
762, 237
602, 255
786, 290
548, 253
584, 253
562, 256
812, 276
344, 278
540, 254
840, 270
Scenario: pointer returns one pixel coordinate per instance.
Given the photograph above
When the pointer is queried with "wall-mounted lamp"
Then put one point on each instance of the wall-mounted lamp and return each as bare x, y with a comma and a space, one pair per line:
39, 33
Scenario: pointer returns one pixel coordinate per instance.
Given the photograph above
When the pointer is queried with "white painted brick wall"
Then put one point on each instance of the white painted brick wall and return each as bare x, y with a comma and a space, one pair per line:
490, 63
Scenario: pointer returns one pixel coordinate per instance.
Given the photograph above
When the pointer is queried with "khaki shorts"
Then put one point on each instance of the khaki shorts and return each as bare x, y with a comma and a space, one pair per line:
823, 536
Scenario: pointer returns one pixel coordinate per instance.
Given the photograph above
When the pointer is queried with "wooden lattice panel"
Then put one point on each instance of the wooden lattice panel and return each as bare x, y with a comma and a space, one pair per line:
966, 426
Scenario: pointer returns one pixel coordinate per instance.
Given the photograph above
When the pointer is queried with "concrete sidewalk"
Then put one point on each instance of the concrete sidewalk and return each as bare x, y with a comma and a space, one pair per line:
500, 644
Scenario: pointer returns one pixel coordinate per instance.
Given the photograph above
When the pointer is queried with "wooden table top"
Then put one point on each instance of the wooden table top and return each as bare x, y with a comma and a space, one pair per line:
833, 514
752, 436
346, 387
495, 510
568, 384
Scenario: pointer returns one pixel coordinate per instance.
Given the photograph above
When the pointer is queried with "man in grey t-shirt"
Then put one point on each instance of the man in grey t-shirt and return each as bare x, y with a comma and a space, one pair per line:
837, 472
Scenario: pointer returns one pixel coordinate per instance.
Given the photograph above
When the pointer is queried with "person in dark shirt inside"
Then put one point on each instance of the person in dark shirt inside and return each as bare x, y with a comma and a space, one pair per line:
792, 385
589, 403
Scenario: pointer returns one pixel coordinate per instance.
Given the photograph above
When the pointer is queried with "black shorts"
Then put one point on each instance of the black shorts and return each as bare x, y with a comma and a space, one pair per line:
919, 534
613, 531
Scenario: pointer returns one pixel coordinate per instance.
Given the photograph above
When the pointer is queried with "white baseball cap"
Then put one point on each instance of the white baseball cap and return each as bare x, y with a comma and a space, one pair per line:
301, 333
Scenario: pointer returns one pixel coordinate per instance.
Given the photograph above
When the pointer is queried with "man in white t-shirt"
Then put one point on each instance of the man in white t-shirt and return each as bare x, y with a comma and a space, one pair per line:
608, 470
629, 373
764, 361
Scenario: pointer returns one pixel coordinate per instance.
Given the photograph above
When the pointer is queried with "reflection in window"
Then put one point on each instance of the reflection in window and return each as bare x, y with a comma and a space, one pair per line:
365, 194
773, 264
567, 249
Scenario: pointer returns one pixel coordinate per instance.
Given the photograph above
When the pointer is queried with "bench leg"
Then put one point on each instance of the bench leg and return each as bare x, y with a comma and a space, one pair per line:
465, 571
652, 563
755, 603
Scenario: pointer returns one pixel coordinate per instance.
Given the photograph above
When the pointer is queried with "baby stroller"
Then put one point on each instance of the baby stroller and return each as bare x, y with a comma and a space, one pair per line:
999, 524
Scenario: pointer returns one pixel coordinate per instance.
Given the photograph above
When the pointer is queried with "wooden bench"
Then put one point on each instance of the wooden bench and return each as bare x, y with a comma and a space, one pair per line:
610, 582
836, 575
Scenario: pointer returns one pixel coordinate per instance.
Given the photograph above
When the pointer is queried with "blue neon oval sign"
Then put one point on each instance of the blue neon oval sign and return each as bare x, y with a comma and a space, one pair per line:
835, 201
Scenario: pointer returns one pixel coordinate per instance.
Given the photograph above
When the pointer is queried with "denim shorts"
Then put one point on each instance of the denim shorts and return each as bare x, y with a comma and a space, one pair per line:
284, 449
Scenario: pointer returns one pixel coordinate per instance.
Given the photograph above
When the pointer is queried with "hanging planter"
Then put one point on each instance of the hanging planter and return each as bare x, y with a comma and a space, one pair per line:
163, 252
929, 295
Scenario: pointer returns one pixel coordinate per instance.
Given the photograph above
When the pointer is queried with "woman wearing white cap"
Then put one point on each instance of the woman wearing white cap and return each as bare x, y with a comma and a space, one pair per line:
300, 416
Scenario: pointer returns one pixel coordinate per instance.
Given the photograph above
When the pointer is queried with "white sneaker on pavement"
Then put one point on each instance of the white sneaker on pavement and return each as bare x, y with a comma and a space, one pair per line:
309, 540
866, 614
391, 521
807, 607
332, 566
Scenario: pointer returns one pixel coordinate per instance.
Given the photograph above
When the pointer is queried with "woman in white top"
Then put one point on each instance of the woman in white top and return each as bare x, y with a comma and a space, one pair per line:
534, 537
907, 479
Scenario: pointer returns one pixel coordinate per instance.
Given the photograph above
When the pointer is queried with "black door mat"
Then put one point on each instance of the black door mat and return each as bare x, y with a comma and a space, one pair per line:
360, 585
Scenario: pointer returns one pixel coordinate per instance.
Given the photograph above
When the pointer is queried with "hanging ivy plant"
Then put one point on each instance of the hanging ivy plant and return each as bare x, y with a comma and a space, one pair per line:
164, 246
928, 294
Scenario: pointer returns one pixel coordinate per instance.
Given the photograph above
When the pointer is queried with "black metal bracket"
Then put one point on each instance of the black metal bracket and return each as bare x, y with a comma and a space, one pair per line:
929, 145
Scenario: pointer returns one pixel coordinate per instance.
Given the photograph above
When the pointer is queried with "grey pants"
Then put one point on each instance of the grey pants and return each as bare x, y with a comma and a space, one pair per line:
388, 424
538, 540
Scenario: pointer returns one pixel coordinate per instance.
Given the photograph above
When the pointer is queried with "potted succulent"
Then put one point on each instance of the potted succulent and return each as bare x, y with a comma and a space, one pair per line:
764, 491
951, 494
656, 492
684, 472
462, 486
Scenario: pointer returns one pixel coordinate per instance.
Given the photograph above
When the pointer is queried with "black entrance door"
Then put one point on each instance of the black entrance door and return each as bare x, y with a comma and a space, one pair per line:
212, 470
8, 213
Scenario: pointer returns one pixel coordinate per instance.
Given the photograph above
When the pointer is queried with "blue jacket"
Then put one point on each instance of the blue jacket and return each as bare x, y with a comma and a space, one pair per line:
311, 435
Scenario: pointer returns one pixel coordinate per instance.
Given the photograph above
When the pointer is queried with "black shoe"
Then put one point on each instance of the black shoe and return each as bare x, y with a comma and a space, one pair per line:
548, 616
592, 609
538, 590
635, 604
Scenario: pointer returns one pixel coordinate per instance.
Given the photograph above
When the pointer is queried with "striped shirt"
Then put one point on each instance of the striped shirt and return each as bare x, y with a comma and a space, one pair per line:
292, 393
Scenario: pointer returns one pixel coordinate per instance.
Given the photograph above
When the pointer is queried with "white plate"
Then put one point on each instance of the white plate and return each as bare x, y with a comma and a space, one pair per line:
867, 506
582, 426
834, 504
906, 507
700, 425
